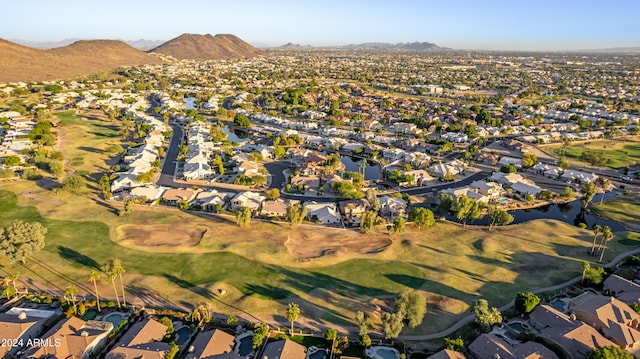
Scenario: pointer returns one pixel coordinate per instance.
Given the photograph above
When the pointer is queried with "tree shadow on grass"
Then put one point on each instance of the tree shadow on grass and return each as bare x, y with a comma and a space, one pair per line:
204, 292
75, 256
90, 149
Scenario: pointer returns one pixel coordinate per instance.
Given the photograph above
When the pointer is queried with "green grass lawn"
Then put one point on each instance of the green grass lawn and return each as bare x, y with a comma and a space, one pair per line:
620, 153
451, 265
624, 209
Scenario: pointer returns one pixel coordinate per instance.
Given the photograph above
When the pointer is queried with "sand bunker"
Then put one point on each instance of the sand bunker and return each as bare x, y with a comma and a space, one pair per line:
163, 235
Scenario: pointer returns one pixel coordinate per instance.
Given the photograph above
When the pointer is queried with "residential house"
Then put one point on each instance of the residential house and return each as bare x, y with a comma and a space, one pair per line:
251, 200
323, 213
142, 340
615, 319
151, 193
525, 189
74, 338
506, 160
172, 196
453, 168
209, 200
213, 344
420, 177
308, 183
284, 349
21, 324
392, 207
492, 190
623, 289
578, 176
490, 346
446, 354
352, 209
275, 208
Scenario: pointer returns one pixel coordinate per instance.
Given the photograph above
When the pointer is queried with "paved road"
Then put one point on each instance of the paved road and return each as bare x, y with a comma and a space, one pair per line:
169, 166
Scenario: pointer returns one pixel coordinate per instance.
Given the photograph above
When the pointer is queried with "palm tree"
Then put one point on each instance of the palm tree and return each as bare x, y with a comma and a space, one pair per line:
607, 235
70, 296
94, 277
202, 314
14, 278
585, 267
109, 269
597, 230
293, 311
119, 269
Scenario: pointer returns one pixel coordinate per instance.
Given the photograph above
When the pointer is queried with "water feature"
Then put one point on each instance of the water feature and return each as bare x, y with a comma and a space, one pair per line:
114, 318
245, 347
559, 305
378, 352
90, 314
319, 354
189, 102
183, 335
236, 135
372, 171
517, 326
570, 212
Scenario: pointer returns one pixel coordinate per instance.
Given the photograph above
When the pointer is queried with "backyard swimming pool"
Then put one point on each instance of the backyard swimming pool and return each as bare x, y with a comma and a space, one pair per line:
378, 352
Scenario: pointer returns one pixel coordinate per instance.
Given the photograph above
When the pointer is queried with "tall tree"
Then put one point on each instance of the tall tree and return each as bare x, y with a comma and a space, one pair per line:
119, 270
70, 296
296, 214
293, 312
243, 217
597, 230
525, 302
607, 235
109, 270
467, 209
398, 224
499, 217
486, 316
585, 268
422, 217
94, 277
610, 352
367, 221
391, 325
20, 240
446, 203
588, 191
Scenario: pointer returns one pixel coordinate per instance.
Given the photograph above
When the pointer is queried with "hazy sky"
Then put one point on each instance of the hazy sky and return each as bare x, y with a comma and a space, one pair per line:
468, 24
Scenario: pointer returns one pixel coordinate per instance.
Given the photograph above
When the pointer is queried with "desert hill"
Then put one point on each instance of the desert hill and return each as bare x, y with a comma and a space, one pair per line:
207, 47
21, 63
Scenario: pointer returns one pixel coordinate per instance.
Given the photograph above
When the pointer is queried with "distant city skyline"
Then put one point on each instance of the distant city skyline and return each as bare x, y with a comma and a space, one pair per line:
458, 24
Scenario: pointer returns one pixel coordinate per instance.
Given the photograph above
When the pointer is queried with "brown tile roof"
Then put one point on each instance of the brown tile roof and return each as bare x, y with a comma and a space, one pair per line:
212, 343
606, 309
144, 331
284, 349
578, 340
447, 354
12, 327
178, 194
72, 337
489, 346
623, 289
545, 316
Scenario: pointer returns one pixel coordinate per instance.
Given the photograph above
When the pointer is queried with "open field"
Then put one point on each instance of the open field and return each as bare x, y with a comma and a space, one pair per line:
619, 152
622, 209
264, 267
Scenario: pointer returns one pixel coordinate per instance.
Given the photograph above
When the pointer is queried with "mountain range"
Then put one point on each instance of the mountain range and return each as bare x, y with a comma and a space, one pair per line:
86, 57
207, 47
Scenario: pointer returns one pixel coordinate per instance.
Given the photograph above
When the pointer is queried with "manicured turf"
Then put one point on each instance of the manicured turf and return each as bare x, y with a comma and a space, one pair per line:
452, 266
620, 153
624, 209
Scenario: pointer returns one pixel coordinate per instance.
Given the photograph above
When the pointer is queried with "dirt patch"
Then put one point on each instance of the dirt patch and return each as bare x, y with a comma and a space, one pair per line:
308, 243
163, 235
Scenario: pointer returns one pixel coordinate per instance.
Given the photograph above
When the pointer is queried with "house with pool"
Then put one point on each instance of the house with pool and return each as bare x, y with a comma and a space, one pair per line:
284, 349
142, 340
217, 344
